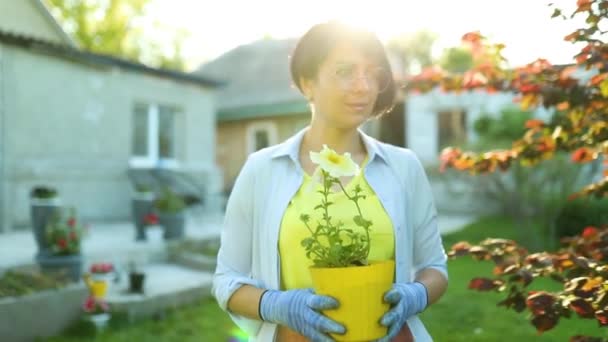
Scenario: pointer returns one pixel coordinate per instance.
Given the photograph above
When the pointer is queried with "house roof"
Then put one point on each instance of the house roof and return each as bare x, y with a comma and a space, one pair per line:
73, 54
258, 82
49, 18
32, 18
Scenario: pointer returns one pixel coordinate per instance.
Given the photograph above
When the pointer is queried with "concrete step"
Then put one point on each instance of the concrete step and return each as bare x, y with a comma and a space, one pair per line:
166, 286
111, 242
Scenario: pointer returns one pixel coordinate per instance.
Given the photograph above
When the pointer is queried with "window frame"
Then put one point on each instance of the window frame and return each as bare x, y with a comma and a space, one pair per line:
271, 129
152, 159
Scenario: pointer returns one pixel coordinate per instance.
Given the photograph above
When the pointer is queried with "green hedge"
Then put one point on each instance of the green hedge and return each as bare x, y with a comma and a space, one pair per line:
580, 213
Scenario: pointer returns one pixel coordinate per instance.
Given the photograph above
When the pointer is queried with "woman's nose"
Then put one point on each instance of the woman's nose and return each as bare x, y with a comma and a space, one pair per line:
362, 83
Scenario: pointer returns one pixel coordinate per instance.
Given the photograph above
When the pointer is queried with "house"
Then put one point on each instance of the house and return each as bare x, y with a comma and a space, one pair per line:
80, 121
260, 107
438, 119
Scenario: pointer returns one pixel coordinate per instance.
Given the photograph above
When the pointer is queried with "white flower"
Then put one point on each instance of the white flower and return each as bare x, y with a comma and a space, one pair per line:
335, 164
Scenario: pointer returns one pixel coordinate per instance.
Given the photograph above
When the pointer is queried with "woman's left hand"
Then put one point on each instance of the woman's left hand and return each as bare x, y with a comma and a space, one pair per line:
406, 299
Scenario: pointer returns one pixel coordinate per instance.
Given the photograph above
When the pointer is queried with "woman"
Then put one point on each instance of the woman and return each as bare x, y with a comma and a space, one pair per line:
262, 279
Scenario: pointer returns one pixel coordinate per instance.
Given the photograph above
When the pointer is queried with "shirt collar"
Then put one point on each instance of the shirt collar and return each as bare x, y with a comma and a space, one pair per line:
291, 147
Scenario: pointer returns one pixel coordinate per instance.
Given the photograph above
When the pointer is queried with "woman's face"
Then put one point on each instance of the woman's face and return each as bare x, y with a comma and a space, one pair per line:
346, 87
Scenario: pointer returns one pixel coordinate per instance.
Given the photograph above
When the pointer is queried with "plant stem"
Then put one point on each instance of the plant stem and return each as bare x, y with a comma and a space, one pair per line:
314, 234
356, 201
326, 191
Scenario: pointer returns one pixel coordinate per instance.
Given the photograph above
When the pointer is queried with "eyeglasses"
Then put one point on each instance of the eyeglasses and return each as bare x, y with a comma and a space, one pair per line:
377, 78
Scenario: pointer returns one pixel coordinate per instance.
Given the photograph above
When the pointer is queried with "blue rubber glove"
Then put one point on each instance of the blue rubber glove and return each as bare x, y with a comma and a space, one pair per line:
406, 299
298, 309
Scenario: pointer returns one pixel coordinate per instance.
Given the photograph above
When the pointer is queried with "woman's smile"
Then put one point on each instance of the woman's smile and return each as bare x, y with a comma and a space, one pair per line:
358, 106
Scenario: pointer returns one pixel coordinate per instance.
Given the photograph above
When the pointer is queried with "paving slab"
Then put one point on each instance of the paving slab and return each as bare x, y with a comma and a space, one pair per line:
110, 241
167, 286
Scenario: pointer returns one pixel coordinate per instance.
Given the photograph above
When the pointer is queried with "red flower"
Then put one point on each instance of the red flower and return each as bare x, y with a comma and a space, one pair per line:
589, 232
94, 305
151, 219
583, 5
72, 222
89, 304
582, 155
472, 37
102, 268
534, 123
529, 88
62, 243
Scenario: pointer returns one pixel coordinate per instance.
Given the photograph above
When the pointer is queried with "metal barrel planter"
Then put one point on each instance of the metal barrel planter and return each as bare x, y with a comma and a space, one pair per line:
173, 224
69, 265
42, 210
141, 206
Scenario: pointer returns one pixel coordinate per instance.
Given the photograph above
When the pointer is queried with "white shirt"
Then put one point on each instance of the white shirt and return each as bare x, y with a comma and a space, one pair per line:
249, 251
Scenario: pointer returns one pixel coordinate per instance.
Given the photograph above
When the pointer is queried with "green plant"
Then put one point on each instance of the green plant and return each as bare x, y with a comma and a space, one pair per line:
94, 306
169, 201
578, 266
203, 247
501, 131
18, 283
580, 213
331, 244
139, 187
64, 232
43, 192
578, 125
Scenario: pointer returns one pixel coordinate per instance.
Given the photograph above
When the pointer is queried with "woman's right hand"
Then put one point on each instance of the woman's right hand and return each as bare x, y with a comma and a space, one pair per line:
299, 310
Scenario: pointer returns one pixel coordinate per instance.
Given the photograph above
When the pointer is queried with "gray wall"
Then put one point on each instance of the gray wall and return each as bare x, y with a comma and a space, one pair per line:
4, 220
69, 125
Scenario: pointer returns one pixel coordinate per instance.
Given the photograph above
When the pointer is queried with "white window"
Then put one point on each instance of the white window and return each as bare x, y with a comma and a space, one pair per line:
154, 136
260, 135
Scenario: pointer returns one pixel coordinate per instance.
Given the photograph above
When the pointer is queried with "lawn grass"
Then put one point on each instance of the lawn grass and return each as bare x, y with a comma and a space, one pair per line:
467, 315
203, 321
460, 315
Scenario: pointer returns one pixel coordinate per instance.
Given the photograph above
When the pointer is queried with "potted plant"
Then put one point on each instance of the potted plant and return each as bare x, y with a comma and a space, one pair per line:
97, 311
64, 235
141, 208
44, 202
339, 253
136, 279
99, 278
171, 209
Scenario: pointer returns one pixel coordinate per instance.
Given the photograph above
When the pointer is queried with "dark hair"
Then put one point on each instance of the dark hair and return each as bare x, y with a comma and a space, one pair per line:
315, 45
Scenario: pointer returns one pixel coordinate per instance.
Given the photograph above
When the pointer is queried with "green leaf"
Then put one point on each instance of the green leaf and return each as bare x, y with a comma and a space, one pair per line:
358, 220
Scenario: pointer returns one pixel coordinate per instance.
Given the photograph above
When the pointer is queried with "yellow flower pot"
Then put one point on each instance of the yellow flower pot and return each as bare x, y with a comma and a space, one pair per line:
99, 288
360, 291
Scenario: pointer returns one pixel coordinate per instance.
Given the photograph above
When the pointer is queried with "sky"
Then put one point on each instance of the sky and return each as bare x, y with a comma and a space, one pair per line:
524, 26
